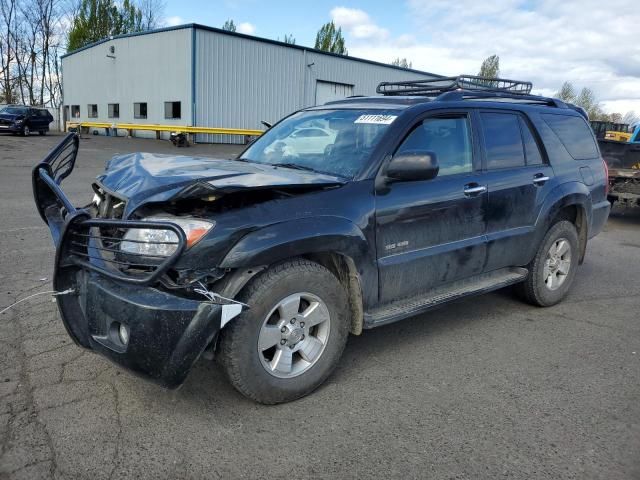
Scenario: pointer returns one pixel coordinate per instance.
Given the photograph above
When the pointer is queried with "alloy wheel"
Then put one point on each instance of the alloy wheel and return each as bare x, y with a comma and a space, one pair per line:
293, 335
557, 264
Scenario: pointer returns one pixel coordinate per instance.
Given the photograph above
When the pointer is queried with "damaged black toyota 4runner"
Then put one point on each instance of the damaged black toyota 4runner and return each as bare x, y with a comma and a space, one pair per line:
341, 217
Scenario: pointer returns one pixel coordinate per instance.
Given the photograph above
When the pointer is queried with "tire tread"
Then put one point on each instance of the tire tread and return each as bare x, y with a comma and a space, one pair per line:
229, 340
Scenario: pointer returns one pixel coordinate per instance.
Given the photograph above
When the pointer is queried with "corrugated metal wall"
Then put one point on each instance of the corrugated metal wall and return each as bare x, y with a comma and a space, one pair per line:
152, 68
241, 81
238, 80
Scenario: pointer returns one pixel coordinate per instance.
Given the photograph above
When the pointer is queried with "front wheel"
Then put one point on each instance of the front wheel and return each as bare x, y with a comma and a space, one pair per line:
553, 269
291, 338
26, 131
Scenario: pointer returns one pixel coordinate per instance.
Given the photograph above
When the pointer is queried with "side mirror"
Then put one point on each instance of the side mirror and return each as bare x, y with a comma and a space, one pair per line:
413, 165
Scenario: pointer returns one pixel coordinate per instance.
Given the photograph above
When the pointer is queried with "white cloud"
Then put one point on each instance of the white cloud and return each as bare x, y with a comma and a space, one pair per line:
247, 28
173, 21
357, 23
588, 42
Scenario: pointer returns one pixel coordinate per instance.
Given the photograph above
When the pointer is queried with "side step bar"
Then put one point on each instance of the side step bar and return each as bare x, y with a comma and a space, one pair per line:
409, 307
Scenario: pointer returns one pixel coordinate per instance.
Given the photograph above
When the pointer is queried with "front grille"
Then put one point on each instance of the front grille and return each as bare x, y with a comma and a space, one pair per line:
109, 206
5, 122
95, 244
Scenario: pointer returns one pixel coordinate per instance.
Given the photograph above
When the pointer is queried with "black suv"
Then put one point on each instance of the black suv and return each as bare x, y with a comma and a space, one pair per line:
24, 120
340, 217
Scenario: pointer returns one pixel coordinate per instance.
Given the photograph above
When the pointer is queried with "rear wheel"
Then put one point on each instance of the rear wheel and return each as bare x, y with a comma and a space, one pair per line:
553, 269
42, 132
291, 338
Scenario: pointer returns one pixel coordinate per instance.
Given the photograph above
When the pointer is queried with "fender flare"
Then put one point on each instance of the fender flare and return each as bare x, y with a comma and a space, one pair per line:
564, 195
299, 237
310, 237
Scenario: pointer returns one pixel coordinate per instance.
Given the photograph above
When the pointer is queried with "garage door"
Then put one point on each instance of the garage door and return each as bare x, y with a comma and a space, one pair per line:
327, 91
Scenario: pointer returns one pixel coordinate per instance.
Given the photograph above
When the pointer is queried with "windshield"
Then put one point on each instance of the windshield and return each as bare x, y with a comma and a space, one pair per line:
337, 142
14, 110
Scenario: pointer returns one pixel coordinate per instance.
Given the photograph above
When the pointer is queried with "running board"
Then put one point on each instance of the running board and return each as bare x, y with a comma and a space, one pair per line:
412, 306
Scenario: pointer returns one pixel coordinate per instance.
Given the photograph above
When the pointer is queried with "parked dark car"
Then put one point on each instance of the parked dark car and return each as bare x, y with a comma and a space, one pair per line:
25, 120
434, 191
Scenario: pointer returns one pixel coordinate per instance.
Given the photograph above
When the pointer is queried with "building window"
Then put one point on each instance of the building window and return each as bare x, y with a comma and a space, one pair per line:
93, 110
171, 109
75, 111
140, 110
114, 110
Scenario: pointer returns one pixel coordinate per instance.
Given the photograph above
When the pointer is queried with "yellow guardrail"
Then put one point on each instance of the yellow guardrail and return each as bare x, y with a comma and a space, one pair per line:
131, 127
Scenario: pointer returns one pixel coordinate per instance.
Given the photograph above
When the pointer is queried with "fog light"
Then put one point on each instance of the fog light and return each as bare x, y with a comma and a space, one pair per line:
123, 333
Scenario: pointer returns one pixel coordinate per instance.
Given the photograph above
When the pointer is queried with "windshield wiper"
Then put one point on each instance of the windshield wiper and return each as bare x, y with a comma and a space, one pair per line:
295, 166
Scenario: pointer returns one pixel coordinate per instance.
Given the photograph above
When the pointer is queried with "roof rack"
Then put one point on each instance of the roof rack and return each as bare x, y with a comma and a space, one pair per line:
437, 86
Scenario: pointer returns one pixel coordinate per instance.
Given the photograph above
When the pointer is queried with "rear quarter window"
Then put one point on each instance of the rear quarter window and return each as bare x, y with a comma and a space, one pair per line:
575, 135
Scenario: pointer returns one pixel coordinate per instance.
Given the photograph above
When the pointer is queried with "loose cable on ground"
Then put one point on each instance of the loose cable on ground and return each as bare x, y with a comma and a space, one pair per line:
53, 293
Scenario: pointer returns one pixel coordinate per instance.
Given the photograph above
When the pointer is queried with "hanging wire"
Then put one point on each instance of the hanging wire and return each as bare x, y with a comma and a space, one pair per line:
53, 293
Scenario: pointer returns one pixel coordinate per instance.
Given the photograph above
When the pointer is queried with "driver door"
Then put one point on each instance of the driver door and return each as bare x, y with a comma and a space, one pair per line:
431, 232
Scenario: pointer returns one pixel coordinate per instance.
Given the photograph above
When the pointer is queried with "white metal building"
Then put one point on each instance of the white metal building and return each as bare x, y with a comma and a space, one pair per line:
202, 76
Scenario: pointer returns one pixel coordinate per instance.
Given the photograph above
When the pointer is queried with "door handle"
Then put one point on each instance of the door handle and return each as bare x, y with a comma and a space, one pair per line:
473, 189
540, 179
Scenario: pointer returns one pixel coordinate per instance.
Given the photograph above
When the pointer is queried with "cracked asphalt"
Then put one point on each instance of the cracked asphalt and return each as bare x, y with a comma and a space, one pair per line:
484, 388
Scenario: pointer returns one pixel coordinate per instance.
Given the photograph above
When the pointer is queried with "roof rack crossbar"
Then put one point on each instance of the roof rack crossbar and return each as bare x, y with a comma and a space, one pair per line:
437, 86
458, 95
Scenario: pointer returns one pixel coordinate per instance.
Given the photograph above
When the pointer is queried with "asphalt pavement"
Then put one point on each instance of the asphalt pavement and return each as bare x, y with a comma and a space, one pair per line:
487, 387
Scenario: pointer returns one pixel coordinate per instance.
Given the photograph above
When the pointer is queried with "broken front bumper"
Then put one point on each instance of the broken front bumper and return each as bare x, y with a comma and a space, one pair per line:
165, 334
115, 308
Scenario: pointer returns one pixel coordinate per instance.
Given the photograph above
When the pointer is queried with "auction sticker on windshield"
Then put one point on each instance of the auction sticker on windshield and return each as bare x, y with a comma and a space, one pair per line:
376, 119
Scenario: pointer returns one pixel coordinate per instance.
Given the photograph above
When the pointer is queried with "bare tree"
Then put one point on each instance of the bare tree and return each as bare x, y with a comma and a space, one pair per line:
31, 39
631, 118
8, 10
152, 13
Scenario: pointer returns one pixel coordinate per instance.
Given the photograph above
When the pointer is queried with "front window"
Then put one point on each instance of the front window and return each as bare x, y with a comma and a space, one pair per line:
449, 137
337, 142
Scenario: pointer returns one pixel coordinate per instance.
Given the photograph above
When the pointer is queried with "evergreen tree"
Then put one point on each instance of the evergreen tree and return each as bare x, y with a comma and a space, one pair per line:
330, 39
98, 19
229, 26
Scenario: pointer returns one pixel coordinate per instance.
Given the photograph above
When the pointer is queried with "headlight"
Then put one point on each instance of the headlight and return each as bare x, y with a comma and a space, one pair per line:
18, 122
152, 241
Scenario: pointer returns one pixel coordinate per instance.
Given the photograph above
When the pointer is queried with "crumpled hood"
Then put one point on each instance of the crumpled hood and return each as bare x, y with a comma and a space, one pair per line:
146, 177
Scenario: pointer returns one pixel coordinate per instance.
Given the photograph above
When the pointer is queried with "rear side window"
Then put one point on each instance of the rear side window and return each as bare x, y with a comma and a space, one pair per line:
503, 140
575, 135
531, 150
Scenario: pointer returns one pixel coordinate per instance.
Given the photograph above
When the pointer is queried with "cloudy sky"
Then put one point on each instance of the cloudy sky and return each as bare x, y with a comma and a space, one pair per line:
592, 43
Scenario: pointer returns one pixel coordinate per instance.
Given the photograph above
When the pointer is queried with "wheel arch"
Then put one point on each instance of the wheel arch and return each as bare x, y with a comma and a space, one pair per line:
569, 201
333, 242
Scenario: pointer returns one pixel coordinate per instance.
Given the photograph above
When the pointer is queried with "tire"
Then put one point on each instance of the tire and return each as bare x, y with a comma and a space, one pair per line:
551, 273
255, 372
42, 132
26, 131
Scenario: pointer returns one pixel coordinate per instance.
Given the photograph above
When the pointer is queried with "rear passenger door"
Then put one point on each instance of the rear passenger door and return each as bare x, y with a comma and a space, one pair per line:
518, 177
36, 120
